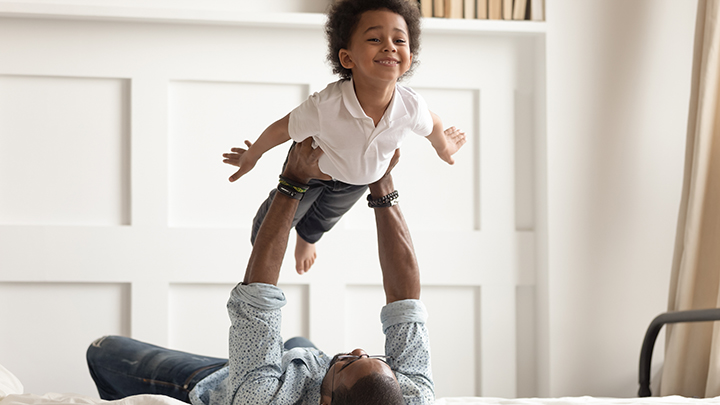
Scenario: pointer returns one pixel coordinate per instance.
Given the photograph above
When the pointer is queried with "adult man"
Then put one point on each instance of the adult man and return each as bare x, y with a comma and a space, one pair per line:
261, 370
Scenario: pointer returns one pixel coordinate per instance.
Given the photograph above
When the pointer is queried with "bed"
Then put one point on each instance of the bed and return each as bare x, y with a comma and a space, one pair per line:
11, 393
11, 388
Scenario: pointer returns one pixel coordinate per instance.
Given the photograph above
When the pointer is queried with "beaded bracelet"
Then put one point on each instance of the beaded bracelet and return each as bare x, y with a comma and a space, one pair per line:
292, 188
384, 201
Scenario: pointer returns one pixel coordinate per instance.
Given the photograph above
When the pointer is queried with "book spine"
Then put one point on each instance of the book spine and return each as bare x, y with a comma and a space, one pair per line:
469, 11
454, 8
438, 8
537, 10
507, 9
519, 9
495, 9
426, 8
482, 9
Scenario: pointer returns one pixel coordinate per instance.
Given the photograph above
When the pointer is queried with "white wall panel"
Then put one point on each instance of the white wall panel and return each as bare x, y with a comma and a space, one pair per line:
425, 182
362, 310
525, 169
195, 90
64, 151
198, 317
206, 119
47, 327
312, 6
453, 322
440, 196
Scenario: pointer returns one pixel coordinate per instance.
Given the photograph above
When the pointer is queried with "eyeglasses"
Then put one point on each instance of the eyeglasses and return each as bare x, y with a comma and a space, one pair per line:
352, 358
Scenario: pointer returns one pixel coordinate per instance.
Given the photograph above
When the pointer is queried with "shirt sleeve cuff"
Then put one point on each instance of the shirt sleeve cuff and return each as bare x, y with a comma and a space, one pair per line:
403, 311
260, 295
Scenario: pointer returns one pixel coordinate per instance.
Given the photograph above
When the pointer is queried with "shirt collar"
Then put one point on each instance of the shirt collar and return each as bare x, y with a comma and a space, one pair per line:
350, 99
396, 109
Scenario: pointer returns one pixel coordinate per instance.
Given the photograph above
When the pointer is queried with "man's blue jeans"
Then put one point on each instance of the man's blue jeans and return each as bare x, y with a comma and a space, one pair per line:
122, 366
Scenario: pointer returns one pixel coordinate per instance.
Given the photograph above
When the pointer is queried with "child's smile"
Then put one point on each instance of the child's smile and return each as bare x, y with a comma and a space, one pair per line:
379, 49
388, 62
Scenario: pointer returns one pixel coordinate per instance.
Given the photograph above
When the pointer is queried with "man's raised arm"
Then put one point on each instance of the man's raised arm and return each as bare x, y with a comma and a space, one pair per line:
271, 242
401, 275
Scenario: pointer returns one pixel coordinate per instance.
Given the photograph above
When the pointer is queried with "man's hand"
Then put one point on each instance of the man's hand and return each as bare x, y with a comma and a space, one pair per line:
302, 163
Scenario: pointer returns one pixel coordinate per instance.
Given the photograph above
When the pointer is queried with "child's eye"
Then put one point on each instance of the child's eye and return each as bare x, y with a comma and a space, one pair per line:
400, 41
373, 40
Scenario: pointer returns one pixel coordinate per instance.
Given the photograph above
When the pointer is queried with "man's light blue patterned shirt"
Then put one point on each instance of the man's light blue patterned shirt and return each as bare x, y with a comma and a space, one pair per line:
261, 371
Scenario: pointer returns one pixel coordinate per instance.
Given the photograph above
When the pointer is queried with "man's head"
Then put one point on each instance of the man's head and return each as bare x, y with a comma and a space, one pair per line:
343, 20
356, 378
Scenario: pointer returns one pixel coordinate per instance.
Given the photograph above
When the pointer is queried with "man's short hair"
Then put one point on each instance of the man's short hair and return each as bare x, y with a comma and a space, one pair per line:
375, 388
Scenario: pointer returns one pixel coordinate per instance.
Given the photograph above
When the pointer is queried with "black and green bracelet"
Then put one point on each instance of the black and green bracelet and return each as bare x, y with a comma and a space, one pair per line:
292, 188
384, 201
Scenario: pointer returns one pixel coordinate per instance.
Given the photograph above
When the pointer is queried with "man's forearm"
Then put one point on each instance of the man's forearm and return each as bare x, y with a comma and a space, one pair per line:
401, 275
271, 241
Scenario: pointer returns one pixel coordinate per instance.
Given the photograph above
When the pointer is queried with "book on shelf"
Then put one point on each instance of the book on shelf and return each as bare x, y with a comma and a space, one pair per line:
469, 9
481, 7
438, 8
484, 9
426, 8
495, 9
454, 8
507, 9
519, 9
537, 10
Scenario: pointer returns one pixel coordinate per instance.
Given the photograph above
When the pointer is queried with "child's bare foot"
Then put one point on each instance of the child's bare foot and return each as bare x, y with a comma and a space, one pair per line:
304, 255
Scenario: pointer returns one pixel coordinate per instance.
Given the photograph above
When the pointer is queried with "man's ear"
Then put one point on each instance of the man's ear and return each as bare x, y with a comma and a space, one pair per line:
346, 59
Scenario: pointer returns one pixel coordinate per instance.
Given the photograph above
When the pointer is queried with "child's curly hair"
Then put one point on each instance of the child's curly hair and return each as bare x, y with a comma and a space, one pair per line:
344, 16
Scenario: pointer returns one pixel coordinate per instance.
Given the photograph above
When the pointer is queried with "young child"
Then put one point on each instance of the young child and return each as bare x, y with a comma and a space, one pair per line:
358, 121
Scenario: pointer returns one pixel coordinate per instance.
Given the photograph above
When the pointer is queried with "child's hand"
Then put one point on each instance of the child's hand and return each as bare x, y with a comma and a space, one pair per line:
240, 158
454, 140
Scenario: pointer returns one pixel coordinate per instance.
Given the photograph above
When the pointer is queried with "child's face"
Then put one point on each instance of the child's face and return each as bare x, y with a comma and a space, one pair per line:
379, 48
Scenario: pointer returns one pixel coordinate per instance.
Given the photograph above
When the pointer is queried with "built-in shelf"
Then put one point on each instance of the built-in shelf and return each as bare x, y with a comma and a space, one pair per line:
239, 18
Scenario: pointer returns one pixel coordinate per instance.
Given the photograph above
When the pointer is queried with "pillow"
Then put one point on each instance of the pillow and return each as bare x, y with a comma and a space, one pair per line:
9, 384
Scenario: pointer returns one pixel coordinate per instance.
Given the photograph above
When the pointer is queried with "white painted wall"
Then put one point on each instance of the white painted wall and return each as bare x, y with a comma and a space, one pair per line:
576, 221
618, 88
114, 201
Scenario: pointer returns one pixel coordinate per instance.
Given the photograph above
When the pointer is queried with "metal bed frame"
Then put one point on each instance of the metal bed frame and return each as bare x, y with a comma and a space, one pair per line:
696, 315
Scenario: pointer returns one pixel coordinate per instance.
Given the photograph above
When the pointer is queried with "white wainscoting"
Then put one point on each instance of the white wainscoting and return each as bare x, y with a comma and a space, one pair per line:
45, 124
46, 328
116, 216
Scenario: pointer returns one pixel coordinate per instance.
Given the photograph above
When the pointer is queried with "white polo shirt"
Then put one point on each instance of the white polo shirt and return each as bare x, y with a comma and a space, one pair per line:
356, 151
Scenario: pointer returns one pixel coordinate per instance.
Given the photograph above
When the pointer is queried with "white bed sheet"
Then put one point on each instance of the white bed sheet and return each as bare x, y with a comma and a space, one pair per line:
11, 393
62, 399
670, 400
65, 399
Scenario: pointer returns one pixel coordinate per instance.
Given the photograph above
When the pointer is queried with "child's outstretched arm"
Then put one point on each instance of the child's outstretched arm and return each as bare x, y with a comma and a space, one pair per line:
245, 159
446, 142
